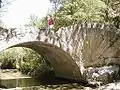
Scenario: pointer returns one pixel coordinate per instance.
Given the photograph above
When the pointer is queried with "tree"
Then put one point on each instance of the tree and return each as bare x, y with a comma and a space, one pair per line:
33, 20
74, 11
112, 12
0, 3
40, 23
3, 6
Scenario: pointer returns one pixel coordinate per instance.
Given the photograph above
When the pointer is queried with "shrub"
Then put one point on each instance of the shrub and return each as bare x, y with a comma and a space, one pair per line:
26, 60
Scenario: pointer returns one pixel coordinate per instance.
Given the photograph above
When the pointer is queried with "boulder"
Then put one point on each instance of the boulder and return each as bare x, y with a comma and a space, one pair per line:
103, 75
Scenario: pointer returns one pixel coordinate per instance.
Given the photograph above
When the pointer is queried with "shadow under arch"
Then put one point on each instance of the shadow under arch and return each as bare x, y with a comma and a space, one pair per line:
63, 64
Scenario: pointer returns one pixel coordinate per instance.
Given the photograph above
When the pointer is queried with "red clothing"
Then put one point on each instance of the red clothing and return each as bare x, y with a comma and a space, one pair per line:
50, 21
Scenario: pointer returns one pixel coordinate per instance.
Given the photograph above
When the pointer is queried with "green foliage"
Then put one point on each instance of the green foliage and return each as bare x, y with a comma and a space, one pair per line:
33, 64
112, 12
75, 11
7, 59
40, 23
69, 12
26, 60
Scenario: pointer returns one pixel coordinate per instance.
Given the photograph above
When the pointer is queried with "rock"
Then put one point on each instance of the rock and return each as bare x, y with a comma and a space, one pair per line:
75, 84
70, 86
110, 86
87, 88
55, 86
49, 86
2, 86
65, 88
104, 74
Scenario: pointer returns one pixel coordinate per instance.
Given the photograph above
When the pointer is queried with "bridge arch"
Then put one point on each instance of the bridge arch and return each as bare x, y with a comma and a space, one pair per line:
63, 64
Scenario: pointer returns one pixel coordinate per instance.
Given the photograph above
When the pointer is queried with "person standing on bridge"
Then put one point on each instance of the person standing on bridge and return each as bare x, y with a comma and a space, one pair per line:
50, 23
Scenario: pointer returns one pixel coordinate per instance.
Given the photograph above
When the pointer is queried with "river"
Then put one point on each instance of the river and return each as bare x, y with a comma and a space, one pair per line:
12, 79
15, 80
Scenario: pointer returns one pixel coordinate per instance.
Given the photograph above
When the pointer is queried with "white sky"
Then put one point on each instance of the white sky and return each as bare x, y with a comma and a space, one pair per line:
20, 10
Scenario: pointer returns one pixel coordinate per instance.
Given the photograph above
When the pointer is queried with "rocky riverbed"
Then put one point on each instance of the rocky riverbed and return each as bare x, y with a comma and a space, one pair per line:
22, 82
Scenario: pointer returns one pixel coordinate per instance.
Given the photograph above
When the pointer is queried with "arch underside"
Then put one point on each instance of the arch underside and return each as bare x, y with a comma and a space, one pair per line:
63, 64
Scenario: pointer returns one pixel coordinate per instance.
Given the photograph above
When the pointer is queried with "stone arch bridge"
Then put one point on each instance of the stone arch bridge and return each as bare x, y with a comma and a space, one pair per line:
70, 50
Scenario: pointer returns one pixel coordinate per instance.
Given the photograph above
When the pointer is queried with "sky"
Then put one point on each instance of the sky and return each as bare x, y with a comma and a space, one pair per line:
20, 10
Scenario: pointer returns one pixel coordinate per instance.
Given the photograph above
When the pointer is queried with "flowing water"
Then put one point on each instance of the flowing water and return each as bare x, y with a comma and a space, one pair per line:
33, 84
14, 80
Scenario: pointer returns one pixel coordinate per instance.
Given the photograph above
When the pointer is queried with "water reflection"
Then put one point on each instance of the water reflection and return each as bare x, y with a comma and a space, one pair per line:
46, 81
23, 82
42, 81
36, 84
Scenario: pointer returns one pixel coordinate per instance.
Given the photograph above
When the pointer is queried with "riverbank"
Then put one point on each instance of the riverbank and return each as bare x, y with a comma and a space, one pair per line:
75, 86
15, 80
11, 74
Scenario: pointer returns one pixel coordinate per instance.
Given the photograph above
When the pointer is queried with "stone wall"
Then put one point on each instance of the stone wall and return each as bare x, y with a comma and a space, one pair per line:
95, 47
92, 43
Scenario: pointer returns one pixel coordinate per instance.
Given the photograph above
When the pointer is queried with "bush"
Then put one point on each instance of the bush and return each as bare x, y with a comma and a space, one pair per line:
26, 60
7, 60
